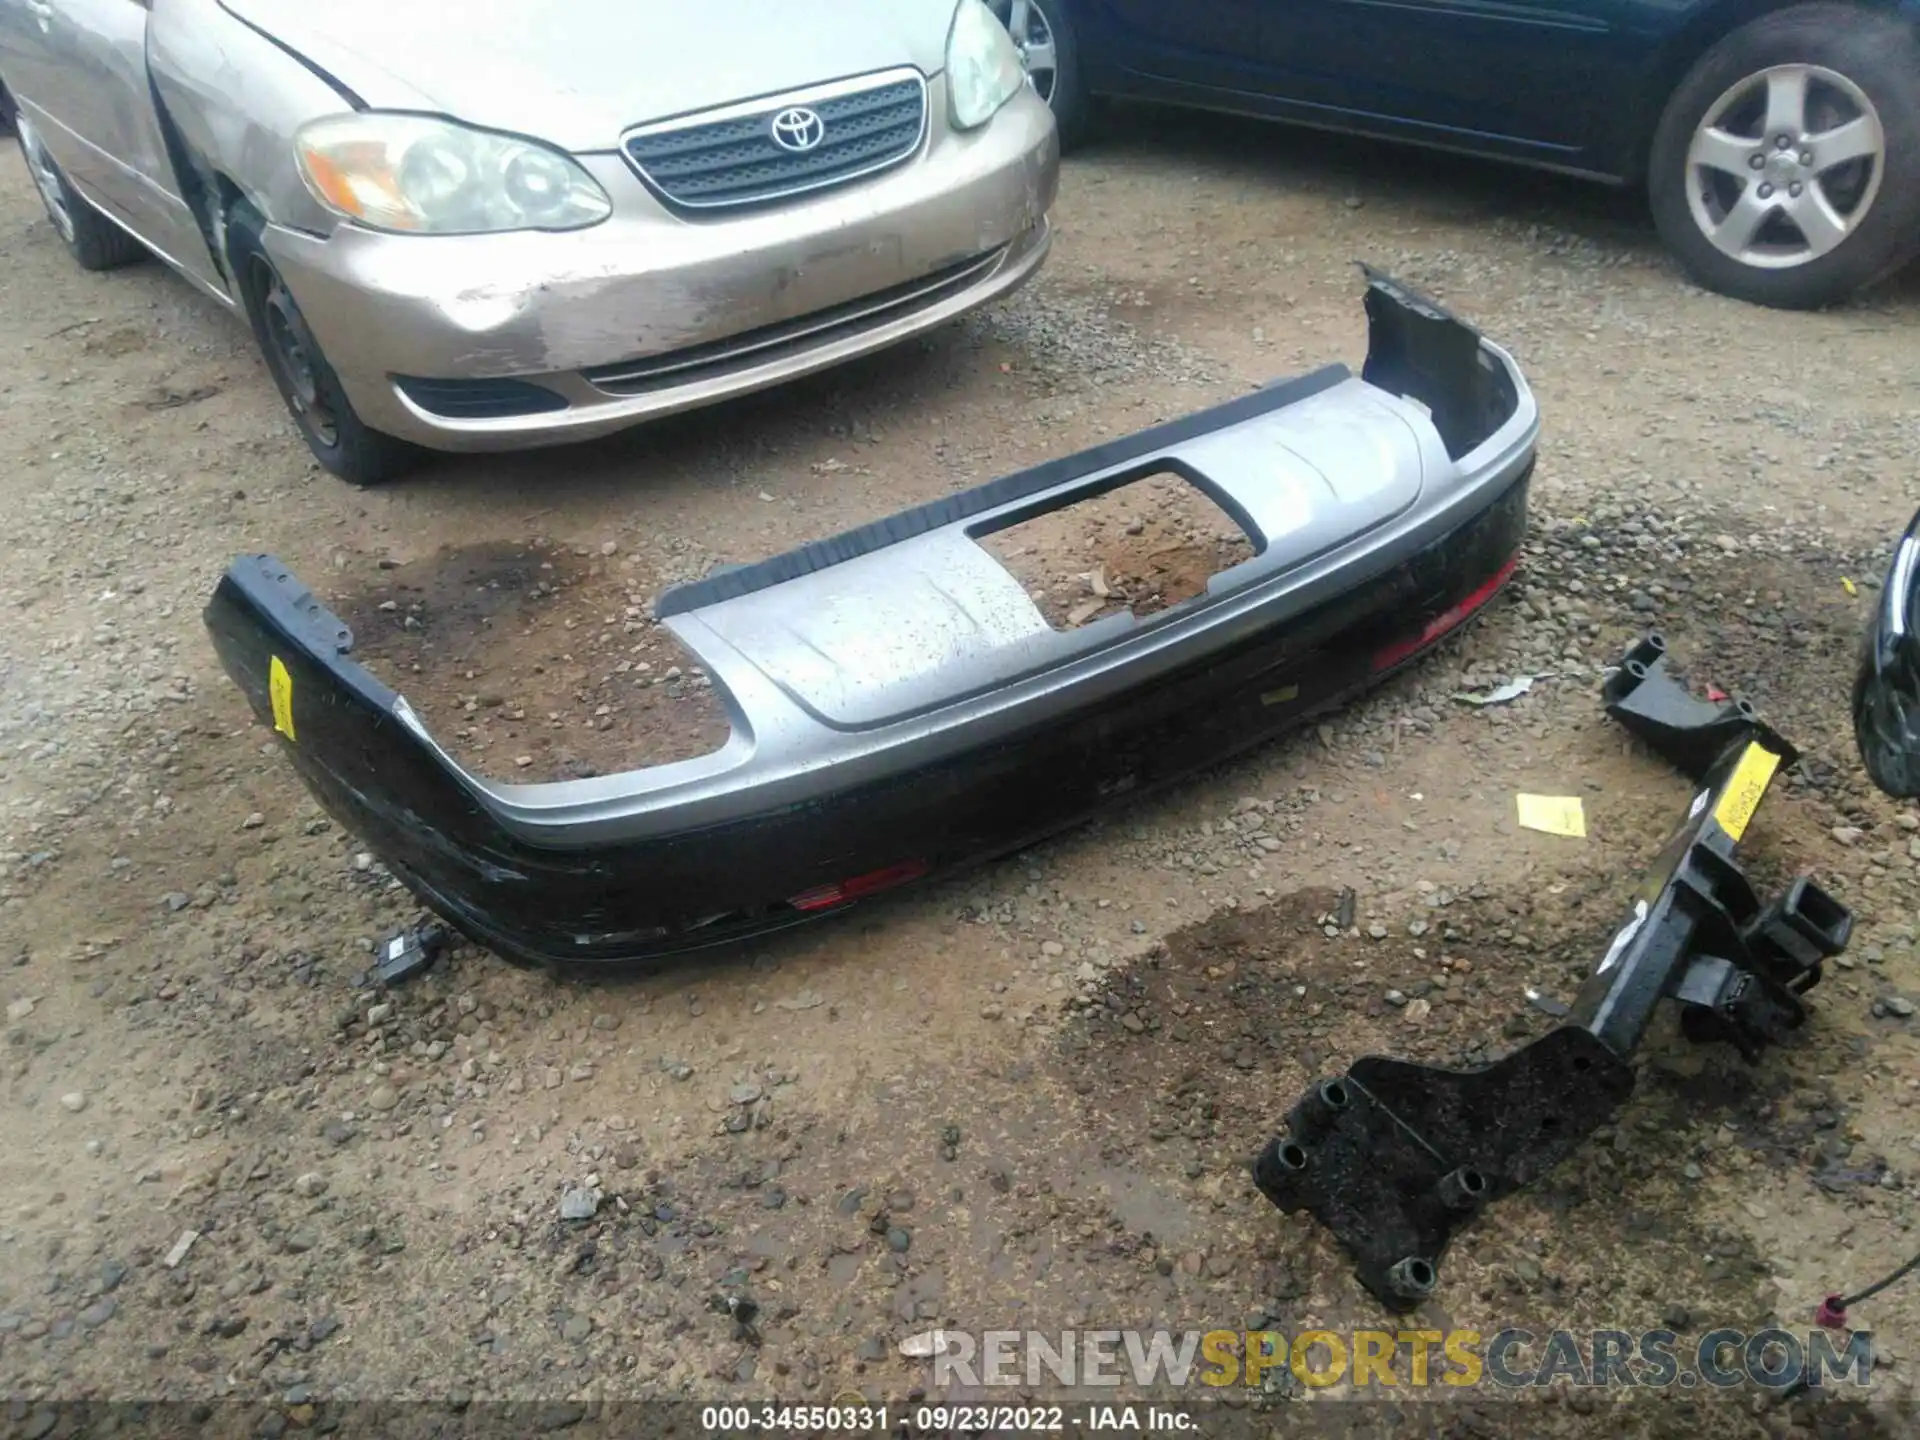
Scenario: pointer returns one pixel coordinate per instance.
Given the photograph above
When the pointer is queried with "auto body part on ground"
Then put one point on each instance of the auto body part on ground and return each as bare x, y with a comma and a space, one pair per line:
1886, 694
1394, 1157
898, 704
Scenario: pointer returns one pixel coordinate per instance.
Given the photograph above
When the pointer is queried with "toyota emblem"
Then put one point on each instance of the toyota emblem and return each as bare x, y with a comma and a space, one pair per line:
798, 129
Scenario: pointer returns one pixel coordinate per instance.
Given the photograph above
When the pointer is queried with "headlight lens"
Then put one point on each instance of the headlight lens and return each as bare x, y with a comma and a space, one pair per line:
983, 65
422, 176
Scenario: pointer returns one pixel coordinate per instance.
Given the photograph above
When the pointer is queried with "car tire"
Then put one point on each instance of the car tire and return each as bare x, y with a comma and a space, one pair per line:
94, 241
1729, 197
340, 440
1049, 28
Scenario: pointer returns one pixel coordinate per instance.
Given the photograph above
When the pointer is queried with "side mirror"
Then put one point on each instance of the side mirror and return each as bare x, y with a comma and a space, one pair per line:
1886, 693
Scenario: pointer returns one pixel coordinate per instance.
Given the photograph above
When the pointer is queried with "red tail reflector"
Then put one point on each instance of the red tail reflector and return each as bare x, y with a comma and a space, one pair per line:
823, 897
1451, 619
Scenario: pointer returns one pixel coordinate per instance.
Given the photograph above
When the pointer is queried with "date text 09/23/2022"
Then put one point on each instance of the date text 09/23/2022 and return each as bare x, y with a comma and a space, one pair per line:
943, 1419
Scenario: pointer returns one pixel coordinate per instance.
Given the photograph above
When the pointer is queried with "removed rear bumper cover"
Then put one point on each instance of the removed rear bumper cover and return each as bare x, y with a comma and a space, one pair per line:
900, 708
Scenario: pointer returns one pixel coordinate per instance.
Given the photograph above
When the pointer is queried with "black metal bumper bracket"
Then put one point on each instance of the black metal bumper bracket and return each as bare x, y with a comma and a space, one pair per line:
1395, 1157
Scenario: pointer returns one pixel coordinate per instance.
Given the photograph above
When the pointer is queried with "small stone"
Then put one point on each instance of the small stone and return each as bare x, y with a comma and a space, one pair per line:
180, 1249
1132, 1023
98, 1313
1848, 835
112, 1274
575, 1328
1898, 1005
899, 1239
1395, 998
580, 1202
310, 1186
609, 547
555, 1415
383, 1098
73, 1100
176, 900
1377, 930
323, 1328
1052, 949
299, 1241
605, 1021
1727, 543
900, 1201
1354, 202
20, 1009
1677, 1317
744, 1094
1417, 1011
253, 821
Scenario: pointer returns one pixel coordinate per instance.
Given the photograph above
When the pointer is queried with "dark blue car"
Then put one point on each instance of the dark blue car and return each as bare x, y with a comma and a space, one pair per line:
1779, 143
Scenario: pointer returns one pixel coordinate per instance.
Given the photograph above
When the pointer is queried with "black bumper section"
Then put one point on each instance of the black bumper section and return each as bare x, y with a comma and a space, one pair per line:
1394, 1157
689, 890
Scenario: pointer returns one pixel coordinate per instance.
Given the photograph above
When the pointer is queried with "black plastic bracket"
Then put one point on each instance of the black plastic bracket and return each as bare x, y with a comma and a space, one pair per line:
1394, 1157
407, 953
1691, 734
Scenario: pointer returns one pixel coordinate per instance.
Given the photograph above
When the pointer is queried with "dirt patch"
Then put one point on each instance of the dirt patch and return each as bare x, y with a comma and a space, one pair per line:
536, 661
1143, 547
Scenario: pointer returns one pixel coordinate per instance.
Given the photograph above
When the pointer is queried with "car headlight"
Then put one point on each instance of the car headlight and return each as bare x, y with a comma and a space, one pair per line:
421, 176
983, 65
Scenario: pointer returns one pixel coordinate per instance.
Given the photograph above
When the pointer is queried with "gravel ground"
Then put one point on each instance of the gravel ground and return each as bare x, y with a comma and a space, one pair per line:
1025, 1097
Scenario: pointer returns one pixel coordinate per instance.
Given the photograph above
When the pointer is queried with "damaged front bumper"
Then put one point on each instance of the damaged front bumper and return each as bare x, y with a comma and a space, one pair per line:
899, 706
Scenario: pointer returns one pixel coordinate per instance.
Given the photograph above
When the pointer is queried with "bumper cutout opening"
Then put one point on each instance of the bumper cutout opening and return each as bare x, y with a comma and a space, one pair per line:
1144, 545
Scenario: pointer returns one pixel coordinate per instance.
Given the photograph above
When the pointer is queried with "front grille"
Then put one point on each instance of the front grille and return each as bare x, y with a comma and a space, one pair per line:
730, 157
771, 342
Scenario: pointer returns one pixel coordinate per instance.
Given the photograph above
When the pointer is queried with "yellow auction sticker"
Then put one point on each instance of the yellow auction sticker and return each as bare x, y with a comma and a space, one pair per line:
1745, 786
280, 689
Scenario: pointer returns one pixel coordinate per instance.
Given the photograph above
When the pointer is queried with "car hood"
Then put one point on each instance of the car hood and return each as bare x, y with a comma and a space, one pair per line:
578, 72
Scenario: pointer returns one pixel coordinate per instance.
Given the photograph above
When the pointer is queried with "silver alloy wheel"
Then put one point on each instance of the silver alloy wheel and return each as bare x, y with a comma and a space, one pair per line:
1785, 166
1032, 33
40, 165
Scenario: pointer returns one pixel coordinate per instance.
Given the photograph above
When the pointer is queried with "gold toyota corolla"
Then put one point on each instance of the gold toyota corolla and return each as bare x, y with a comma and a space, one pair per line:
503, 223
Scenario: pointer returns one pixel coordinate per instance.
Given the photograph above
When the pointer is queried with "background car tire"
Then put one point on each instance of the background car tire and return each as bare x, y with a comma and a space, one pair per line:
1843, 54
94, 241
343, 443
1050, 23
